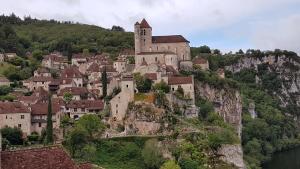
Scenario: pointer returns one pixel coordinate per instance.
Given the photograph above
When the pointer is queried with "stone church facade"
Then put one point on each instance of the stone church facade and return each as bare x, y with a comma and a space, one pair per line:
169, 50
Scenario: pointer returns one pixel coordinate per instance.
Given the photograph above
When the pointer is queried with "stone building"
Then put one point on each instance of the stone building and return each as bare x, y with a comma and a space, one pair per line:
119, 103
15, 114
169, 50
186, 83
201, 63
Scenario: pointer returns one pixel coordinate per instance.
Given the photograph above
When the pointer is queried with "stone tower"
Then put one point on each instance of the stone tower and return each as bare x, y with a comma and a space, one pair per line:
142, 37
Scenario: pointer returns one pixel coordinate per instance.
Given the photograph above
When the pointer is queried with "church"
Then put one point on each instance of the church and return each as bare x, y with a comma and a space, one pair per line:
170, 50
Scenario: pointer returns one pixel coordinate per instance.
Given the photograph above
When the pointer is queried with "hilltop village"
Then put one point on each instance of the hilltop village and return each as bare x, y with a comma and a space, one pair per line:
157, 59
131, 93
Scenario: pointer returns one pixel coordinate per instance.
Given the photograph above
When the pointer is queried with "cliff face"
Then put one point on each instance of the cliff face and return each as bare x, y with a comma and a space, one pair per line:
227, 102
287, 70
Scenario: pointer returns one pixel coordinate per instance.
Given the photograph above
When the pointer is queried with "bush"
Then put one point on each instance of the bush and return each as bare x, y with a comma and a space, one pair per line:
12, 135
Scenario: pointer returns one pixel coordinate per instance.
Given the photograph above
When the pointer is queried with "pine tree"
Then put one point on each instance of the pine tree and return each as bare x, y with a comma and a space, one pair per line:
104, 83
49, 129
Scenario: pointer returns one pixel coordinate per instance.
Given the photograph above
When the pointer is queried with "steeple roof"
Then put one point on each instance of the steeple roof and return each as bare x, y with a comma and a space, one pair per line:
144, 24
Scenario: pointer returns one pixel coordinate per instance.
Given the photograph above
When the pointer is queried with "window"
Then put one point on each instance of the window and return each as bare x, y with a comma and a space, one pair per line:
143, 59
144, 41
6, 117
157, 48
144, 31
127, 86
40, 124
82, 109
19, 125
43, 82
22, 116
67, 108
116, 111
75, 109
155, 59
173, 89
117, 105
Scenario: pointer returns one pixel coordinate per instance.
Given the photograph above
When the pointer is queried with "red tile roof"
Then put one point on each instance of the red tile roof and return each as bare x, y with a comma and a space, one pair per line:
41, 79
42, 70
169, 39
37, 158
144, 24
175, 80
85, 166
89, 104
151, 76
73, 90
13, 107
94, 68
41, 108
54, 57
71, 72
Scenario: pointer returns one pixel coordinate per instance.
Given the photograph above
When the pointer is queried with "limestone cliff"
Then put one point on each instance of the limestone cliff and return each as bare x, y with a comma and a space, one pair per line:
286, 69
227, 102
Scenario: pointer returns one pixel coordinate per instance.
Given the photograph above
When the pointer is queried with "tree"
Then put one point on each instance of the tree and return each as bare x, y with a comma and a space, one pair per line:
216, 51
142, 84
89, 152
152, 154
76, 140
104, 82
37, 54
85, 52
4, 90
12, 135
204, 49
49, 128
91, 123
64, 122
68, 97
163, 86
170, 164
117, 28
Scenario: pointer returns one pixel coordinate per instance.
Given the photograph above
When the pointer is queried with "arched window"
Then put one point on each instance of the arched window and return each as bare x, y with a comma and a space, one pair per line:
144, 32
143, 59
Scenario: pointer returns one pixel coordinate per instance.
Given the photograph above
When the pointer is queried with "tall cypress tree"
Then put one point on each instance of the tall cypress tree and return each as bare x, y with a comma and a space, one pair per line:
49, 129
104, 83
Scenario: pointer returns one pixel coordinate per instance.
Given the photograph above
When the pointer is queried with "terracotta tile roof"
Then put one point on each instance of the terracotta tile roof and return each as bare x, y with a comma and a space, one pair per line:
89, 104
169, 39
151, 76
71, 72
73, 90
171, 69
175, 80
37, 158
200, 61
108, 68
144, 24
153, 53
94, 68
41, 79
41, 108
85, 166
38, 95
13, 107
4, 79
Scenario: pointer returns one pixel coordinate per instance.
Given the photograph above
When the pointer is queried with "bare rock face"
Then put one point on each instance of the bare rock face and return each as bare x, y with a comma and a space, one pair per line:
232, 154
144, 119
227, 102
287, 70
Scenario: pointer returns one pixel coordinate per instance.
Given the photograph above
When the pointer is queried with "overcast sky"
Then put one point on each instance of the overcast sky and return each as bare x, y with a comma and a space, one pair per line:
223, 24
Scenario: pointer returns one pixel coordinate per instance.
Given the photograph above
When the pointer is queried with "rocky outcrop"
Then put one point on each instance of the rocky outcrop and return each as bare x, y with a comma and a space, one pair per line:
227, 102
287, 69
232, 154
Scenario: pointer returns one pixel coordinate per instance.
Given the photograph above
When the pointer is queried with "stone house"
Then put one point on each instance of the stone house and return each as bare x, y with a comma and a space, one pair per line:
169, 50
15, 114
36, 82
54, 61
77, 108
80, 58
10, 55
201, 63
186, 83
79, 93
39, 113
42, 72
120, 65
73, 75
93, 72
119, 103
4, 81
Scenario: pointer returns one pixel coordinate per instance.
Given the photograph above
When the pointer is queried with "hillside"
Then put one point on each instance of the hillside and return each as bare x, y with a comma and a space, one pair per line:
66, 37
